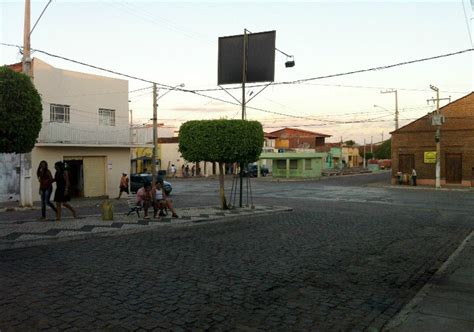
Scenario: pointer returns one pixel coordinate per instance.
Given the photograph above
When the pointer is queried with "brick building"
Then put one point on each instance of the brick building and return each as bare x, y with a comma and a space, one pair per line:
290, 138
414, 146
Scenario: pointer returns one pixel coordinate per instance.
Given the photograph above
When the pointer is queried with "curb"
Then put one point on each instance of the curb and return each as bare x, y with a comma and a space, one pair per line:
402, 316
13, 244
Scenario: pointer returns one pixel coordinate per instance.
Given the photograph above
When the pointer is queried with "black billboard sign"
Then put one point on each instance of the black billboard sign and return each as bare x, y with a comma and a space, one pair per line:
260, 58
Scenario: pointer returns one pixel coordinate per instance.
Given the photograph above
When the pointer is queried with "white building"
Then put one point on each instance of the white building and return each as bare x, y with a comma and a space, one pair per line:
85, 124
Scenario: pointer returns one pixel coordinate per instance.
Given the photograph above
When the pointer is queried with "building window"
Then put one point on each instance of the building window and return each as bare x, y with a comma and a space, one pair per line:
307, 164
293, 164
281, 164
106, 117
59, 113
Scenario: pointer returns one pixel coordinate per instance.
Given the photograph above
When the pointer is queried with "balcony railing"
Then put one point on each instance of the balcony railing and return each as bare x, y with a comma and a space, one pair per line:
62, 133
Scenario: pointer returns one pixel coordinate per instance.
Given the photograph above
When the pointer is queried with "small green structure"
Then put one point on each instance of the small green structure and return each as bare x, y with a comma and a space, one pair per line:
295, 164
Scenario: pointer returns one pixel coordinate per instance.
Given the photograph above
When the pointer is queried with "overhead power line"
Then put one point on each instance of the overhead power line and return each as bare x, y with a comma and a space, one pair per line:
197, 92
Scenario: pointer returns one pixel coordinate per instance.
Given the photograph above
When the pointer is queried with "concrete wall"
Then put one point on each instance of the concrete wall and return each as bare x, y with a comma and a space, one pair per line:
117, 160
9, 177
85, 94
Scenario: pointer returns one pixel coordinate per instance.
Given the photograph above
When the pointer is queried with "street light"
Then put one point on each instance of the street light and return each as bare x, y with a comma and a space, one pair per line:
382, 108
155, 124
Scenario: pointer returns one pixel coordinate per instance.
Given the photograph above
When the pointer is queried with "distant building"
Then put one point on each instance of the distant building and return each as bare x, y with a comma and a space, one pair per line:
414, 146
290, 138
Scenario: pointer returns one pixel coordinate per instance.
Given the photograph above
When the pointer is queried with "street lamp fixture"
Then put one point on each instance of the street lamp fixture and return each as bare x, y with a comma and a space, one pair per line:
382, 108
290, 61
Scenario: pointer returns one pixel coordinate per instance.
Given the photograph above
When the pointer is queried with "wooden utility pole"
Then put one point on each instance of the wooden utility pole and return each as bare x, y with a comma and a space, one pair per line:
26, 197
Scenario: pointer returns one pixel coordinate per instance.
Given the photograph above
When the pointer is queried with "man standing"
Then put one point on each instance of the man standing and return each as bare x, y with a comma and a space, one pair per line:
413, 176
123, 185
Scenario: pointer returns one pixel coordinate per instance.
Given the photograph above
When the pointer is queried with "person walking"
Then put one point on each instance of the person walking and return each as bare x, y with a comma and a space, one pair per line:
123, 185
173, 170
62, 195
46, 180
413, 176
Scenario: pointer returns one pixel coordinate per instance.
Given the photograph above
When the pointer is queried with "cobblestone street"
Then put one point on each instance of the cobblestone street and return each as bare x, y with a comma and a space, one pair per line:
335, 264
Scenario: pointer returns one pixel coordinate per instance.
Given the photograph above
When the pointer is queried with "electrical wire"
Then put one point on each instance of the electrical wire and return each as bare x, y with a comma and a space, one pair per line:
467, 23
276, 83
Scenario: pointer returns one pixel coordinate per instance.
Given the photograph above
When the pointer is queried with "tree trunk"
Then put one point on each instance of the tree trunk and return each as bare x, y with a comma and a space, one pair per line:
221, 186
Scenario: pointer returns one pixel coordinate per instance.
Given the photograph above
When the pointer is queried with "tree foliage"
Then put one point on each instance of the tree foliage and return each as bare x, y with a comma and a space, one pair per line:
384, 151
225, 141
350, 143
20, 112
222, 141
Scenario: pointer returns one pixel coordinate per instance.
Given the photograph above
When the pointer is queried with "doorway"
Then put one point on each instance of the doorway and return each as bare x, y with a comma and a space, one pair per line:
453, 167
75, 170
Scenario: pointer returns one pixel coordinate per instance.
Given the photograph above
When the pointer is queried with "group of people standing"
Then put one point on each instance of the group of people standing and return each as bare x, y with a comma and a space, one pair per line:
62, 194
194, 171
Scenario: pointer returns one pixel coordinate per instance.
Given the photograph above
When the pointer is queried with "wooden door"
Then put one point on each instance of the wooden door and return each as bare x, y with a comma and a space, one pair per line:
453, 167
406, 163
472, 177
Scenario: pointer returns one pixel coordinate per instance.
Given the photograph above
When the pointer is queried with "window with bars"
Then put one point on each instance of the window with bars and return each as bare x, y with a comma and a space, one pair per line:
106, 117
59, 113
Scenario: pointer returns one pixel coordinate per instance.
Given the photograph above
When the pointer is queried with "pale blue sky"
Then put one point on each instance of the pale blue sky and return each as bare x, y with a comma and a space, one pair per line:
175, 42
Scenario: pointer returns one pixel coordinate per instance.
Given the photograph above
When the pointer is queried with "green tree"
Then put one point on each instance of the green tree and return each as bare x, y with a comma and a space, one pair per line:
20, 112
384, 151
221, 141
350, 143
368, 155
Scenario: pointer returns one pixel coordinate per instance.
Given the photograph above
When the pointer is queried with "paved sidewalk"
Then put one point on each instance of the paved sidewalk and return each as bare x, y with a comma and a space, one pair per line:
446, 302
27, 233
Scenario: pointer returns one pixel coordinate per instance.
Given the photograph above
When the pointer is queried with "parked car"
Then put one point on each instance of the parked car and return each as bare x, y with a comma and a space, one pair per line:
137, 181
251, 170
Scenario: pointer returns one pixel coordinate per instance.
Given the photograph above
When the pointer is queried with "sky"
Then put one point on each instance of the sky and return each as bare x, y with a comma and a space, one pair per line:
177, 42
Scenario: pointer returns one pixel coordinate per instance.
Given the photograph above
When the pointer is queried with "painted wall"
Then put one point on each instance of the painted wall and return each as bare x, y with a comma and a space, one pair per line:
117, 160
9, 177
301, 165
85, 94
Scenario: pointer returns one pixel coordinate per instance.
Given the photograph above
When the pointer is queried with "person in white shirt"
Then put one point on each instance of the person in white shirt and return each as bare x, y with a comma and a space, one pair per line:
173, 170
161, 201
413, 176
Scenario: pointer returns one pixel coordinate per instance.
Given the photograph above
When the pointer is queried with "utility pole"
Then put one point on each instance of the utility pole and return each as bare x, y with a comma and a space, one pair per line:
244, 80
437, 120
371, 144
26, 197
131, 141
364, 154
382, 136
396, 104
155, 133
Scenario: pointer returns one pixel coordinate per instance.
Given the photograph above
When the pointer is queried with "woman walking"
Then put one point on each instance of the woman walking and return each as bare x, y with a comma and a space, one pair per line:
62, 193
46, 187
